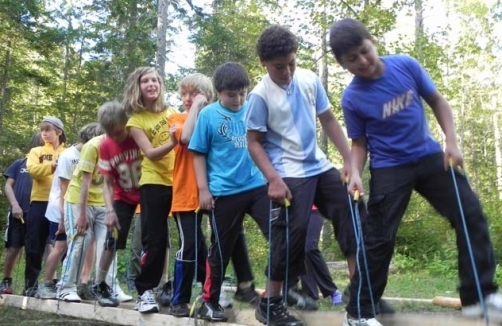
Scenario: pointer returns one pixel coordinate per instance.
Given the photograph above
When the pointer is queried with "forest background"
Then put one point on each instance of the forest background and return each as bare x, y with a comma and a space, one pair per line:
66, 57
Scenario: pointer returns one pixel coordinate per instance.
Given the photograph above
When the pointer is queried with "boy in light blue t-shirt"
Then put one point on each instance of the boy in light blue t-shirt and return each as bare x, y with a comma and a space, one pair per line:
230, 185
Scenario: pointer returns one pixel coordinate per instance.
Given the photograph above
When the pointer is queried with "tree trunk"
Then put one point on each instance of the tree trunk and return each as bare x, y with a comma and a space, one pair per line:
4, 83
161, 36
498, 153
419, 29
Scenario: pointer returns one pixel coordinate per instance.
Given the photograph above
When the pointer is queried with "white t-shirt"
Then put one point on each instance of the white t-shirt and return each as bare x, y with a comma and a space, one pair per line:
67, 162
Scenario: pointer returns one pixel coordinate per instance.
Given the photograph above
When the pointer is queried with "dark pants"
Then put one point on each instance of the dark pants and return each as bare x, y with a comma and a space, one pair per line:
226, 223
240, 259
390, 191
317, 273
37, 232
155, 207
328, 193
191, 256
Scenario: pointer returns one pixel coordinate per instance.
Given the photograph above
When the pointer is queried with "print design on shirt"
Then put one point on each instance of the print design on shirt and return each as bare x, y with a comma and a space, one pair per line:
233, 131
397, 104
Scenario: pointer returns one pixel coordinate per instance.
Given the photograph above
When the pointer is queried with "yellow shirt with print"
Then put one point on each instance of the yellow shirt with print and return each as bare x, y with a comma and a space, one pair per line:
155, 127
39, 165
89, 156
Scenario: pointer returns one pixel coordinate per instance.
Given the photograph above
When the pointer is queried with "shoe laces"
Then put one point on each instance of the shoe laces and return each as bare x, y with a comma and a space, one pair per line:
147, 297
105, 290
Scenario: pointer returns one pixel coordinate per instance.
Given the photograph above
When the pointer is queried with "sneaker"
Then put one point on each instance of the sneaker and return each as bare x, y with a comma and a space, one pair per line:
248, 295
180, 310
165, 294
348, 321
212, 312
277, 313
30, 292
383, 306
85, 291
336, 298
225, 301
6, 286
300, 301
68, 296
146, 303
493, 303
104, 295
47, 290
119, 295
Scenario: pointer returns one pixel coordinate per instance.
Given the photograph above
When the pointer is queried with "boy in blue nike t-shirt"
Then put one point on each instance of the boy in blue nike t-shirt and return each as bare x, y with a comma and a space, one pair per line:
384, 115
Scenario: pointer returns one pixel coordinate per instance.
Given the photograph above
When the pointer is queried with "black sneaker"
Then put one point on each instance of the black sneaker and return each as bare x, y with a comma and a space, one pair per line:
165, 294
248, 295
6, 286
30, 292
212, 312
277, 313
383, 307
301, 301
104, 295
180, 310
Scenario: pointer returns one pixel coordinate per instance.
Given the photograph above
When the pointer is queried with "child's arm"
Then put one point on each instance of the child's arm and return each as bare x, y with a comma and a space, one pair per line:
358, 156
111, 219
82, 222
277, 189
39, 169
153, 153
17, 211
205, 197
198, 104
444, 116
335, 133
63, 186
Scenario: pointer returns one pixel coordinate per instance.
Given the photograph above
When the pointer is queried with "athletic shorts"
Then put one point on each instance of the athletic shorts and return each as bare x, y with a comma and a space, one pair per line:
16, 232
53, 227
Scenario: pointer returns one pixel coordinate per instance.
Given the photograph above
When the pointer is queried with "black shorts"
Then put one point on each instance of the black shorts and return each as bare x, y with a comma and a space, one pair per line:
125, 213
16, 232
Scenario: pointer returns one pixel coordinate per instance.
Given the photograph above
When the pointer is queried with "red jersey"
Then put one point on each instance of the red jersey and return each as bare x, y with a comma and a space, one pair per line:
123, 163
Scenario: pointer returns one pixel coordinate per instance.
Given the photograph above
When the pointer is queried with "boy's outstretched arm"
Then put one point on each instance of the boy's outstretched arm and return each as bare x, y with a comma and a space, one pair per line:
444, 116
358, 156
278, 191
335, 133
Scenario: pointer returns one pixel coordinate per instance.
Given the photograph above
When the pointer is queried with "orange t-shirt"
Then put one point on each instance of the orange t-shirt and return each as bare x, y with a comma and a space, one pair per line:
185, 191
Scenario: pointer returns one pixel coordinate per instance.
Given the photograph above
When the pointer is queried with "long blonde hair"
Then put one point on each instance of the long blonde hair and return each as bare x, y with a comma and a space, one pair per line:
132, 94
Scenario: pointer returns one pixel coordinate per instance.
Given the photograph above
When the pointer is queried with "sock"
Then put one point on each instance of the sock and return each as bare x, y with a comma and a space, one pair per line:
101, 275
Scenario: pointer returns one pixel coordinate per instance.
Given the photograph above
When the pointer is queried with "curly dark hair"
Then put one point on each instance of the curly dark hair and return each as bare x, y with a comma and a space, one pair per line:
346, 34
276, 41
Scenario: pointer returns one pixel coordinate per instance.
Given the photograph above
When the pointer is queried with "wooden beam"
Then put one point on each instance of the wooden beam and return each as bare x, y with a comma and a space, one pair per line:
124, 315
119, 316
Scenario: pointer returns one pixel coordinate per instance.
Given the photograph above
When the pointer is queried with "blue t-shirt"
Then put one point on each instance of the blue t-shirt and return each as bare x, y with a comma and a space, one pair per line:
220, 135
388, 111
288, 118
22, 183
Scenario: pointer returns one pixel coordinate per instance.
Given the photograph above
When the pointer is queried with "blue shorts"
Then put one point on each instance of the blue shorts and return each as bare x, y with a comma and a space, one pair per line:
53, 227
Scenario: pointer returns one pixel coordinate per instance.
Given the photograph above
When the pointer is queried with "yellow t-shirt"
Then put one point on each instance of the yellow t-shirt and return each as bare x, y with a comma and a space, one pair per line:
155, 127
89, 156
39, 166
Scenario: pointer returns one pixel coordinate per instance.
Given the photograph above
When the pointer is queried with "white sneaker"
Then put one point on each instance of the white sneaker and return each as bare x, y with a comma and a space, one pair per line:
225, 302
146, 303
120, 295
360, 322
493, 304
68, 296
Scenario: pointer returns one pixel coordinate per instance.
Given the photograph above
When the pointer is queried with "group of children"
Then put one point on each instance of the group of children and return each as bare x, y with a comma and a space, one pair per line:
257, 154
